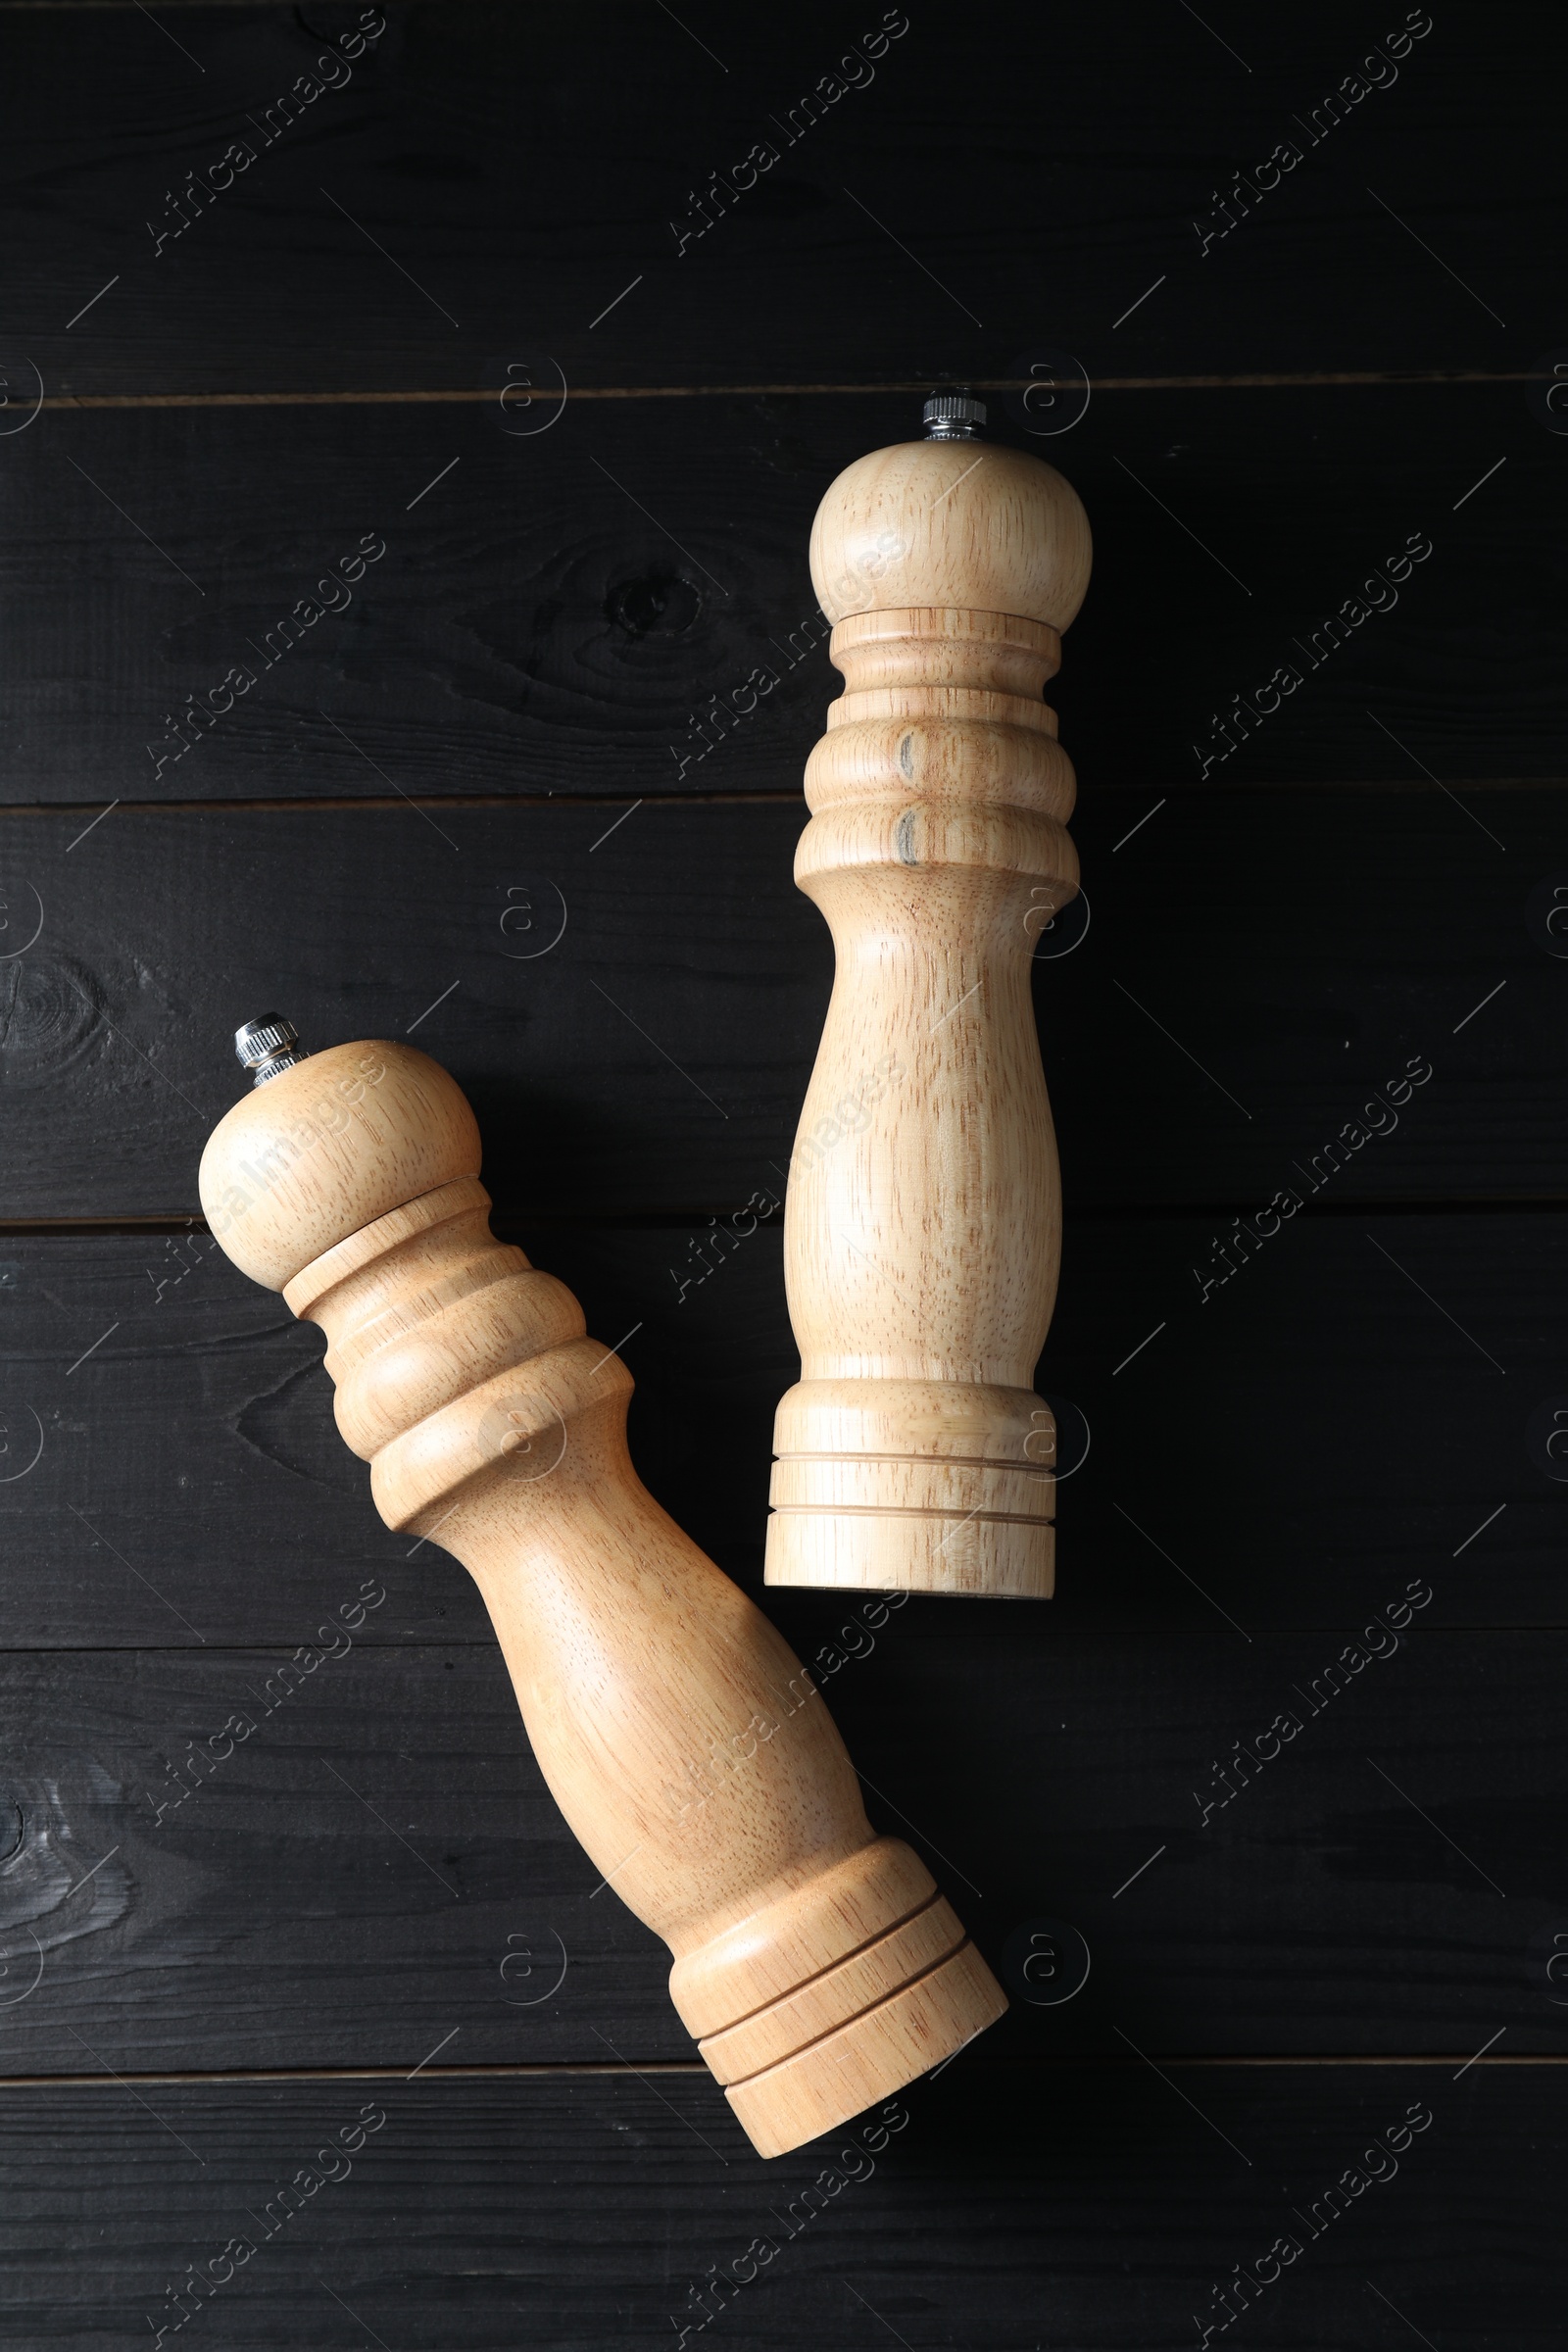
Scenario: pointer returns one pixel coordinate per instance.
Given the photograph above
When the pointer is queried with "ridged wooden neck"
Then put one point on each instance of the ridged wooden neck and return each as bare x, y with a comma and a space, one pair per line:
453, 1356
940, 753
384, 1281
931, 661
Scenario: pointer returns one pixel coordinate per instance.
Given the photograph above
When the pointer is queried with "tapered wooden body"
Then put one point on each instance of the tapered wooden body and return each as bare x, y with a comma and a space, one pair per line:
922, 1223
817, 1964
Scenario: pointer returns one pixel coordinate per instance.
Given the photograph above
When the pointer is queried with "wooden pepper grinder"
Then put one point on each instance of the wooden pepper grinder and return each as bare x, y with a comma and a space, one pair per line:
815, 1964
922, 1227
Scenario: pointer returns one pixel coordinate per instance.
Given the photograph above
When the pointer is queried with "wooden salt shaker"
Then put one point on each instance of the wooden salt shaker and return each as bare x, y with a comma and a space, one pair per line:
922, 1226
816, 1964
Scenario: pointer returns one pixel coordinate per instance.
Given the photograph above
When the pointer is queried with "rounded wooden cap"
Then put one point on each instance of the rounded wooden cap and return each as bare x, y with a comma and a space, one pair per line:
326, 1147
957, 524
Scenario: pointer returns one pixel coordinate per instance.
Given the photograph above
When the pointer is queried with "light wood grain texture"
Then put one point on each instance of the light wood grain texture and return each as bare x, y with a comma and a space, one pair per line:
815, 1963
923, 1220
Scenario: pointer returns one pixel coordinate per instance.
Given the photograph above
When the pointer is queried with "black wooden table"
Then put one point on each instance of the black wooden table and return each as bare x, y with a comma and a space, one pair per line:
448, 397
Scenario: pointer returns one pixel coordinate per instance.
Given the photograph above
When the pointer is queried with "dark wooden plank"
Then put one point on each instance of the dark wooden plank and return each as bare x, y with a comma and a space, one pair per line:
555, 611
376, 1861
525, 173
1306, 1443
1269, 1469
1083, 2206
1256, 966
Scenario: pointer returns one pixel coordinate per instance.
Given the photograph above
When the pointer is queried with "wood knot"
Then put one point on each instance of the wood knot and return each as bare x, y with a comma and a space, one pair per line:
658, 604
49, 1008
57, 1881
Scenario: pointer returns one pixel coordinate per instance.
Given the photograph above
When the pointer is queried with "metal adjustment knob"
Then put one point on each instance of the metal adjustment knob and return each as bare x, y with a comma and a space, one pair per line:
267, 1047
954, 416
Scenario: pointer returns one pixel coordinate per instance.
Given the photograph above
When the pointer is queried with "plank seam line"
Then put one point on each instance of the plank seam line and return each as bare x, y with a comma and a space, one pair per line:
763, 797
403, 1645
682, 2066
410, 396
353, 803
128, 1225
